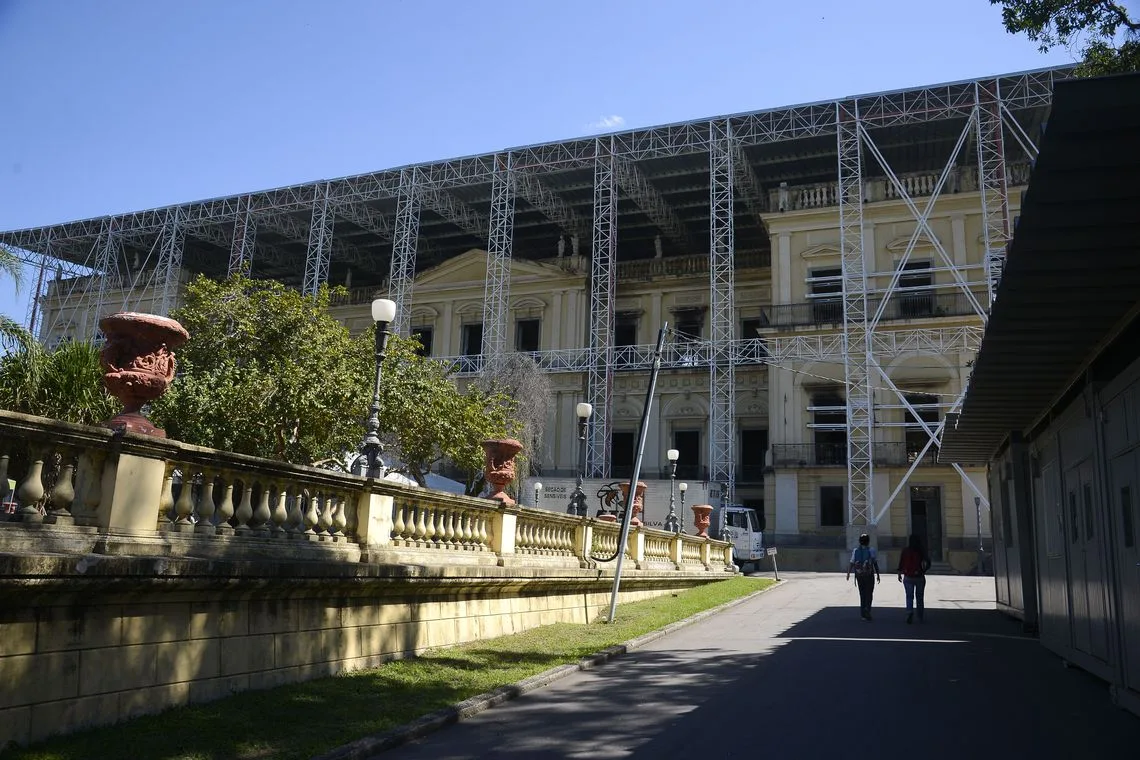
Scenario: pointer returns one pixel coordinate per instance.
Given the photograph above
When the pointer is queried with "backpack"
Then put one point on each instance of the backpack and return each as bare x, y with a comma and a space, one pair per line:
864, 561
910, 563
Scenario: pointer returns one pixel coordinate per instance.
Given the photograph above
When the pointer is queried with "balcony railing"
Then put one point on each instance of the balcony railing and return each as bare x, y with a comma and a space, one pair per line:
905, 305
680, 266
884, 454
916, 184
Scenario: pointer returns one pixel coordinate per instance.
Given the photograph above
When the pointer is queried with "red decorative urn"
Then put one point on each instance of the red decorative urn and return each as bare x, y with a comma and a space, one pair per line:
138, 364
701, 520
499, 466
638, 499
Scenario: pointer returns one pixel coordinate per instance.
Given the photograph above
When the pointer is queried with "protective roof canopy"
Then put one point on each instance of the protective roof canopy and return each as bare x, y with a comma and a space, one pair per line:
1072, 275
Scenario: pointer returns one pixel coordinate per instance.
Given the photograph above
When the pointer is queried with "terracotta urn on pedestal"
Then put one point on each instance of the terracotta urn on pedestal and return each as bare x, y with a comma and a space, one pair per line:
638, 500
499, 466
701, 520
138, 365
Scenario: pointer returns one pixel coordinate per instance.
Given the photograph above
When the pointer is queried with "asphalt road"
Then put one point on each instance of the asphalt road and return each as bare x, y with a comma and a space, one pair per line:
795, 673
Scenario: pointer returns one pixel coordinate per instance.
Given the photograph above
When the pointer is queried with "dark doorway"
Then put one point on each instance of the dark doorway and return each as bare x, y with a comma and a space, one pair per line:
688, 445
621, 455
926, 518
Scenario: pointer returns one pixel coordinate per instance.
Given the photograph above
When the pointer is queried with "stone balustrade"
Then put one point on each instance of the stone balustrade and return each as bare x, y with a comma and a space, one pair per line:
138, 574
962, 179
97, 491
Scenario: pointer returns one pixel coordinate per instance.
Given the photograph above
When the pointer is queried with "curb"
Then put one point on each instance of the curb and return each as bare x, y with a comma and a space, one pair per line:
370, 746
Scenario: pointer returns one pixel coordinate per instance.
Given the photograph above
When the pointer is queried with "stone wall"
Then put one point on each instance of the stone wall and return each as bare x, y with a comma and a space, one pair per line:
88, 644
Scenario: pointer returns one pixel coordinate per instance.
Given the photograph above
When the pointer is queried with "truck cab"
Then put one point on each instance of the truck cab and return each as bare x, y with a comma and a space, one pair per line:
737, 523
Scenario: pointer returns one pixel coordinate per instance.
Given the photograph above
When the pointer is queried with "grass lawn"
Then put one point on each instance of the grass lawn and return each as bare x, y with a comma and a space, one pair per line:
306, 719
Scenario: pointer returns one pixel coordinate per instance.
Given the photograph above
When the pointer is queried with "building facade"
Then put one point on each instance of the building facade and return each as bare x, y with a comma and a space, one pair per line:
825, 270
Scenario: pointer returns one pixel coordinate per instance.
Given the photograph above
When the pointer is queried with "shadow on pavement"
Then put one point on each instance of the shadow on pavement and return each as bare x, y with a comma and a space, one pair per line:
964, 684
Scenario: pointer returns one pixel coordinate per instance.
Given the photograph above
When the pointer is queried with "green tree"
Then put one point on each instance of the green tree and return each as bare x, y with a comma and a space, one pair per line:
64, 384
1109, 35
10, 266
430, 420
267, 372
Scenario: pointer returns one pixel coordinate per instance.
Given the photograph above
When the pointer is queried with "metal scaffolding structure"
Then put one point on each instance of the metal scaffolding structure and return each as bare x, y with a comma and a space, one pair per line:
603, 291
722, 308
497, 288
381, 228
857, 354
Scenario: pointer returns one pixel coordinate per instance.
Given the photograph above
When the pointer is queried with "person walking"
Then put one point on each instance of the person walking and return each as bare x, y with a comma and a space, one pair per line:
865, 565
913, 564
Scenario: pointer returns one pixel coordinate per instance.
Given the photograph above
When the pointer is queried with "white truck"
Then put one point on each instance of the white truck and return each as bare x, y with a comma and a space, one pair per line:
738, 524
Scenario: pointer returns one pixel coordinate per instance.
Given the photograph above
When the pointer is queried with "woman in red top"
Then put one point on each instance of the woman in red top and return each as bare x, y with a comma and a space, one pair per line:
913, 564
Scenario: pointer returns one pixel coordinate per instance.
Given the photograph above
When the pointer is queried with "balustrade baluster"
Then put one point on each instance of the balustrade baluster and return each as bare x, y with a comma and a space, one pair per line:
184, 504
326, 521
206, 507
481, 535
449, 530
296, 522
3, 478
421, 526
225, 506
312, 514
31, 489
429, 526
468, 534
262, 516
244, 514
280, 512
340, 517
398, 522
166, 514
63, 492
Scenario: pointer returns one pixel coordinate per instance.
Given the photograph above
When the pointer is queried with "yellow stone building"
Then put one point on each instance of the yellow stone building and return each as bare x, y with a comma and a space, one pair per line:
826, 271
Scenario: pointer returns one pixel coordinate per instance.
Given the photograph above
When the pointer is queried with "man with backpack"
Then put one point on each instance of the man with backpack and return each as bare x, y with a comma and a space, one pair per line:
913, 564
865, 565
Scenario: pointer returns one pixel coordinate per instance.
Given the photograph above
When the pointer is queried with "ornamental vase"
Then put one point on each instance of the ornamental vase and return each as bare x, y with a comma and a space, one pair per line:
638, 499
701, 513
138, 365
499, 466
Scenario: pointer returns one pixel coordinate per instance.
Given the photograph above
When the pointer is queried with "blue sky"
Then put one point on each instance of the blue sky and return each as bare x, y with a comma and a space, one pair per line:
119, 105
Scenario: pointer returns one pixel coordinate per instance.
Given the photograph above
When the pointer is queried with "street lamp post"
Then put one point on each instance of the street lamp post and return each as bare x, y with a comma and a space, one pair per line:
671, 521
981, 549
578, 498
682, 488
537, 493
383, 312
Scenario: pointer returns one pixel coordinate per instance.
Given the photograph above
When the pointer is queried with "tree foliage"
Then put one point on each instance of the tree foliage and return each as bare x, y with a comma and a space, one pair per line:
64, 384
266, 372
518, 377
10, 266
429, 420
269, 372
1107, 32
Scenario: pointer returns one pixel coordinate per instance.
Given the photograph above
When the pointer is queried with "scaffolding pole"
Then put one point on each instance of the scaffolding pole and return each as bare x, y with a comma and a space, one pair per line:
402, 277
33, 314
497, 287
992, 181
108, 271
320, 243
244, 239
603, 290
170, 262
856, 336
722, 291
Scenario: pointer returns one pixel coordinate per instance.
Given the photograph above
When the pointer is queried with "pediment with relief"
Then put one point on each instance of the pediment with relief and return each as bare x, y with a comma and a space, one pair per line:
470, 268
898, 245
820, 251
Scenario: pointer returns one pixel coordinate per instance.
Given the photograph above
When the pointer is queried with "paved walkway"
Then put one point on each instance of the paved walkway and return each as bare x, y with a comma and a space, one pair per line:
794, 673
